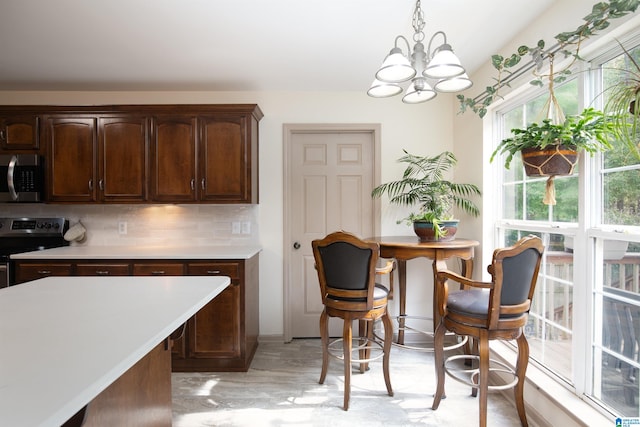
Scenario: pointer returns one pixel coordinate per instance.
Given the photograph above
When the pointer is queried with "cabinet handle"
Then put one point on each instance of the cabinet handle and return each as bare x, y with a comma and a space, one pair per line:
44, 272
102, 272
90, 184
2, 135
213, 271
202, 183
101, 185
156, 272
193, 184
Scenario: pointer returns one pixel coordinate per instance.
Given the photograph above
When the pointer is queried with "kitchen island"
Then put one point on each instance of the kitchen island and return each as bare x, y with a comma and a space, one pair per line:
68, 342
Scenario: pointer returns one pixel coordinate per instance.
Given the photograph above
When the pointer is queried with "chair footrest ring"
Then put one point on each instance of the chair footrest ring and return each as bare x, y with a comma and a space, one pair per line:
429, 334
469, 375
357, 344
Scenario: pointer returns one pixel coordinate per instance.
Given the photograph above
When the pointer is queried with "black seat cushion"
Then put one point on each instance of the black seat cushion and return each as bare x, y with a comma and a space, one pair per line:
473, 302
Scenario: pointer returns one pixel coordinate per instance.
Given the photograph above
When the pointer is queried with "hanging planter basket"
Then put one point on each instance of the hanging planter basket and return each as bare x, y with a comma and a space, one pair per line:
551, 161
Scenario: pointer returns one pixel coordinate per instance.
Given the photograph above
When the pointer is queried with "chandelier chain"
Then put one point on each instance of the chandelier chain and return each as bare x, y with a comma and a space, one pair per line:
418, 23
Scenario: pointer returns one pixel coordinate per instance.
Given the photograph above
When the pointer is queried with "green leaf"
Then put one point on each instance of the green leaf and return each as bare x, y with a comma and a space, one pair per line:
512, 60
496, 60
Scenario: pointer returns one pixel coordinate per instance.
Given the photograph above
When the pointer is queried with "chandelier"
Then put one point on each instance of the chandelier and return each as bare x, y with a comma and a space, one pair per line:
440, 65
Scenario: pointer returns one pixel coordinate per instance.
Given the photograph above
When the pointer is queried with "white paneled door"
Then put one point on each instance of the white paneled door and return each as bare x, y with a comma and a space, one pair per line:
330, 171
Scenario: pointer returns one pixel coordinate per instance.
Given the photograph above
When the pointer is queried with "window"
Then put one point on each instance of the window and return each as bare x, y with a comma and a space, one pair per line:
587, 299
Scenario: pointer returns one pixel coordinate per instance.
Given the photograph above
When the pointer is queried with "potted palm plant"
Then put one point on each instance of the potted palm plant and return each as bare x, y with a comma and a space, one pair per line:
423, 184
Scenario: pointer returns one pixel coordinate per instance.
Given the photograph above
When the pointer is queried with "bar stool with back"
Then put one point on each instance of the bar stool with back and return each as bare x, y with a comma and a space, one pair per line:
346, 267
487, 311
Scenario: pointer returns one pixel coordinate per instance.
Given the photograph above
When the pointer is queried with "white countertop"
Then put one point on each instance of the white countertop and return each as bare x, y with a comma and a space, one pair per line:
143, 252
65, 339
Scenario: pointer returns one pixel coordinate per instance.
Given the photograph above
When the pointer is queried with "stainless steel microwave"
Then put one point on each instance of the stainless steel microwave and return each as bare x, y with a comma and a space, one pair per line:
21, 178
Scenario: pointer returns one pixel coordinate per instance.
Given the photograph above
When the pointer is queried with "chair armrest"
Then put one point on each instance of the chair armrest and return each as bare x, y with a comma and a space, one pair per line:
442, 287
445, 275
387, 268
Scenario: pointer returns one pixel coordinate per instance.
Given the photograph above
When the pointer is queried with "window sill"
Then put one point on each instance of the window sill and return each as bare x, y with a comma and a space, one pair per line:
549, 402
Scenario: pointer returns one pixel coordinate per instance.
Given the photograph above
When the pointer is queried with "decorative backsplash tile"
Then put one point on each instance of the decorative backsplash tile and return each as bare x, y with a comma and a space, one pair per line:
150, 225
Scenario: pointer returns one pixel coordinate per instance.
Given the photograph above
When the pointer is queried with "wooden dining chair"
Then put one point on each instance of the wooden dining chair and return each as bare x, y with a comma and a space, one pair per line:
488, 311
346, 267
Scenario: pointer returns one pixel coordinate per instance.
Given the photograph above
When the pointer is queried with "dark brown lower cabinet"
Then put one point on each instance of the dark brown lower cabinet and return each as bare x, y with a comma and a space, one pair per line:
222, 336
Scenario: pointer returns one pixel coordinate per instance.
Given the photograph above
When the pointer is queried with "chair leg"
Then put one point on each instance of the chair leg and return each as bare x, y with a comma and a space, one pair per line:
483, 380
347, 335
438, 352
324, 337
388, 338
474, 351
364, 331
521, 370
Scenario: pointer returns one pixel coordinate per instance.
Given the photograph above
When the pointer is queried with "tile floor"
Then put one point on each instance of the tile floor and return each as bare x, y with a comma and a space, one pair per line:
281, 389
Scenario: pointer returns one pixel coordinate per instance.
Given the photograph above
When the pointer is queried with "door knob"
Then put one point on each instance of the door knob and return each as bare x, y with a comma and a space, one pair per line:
296, 245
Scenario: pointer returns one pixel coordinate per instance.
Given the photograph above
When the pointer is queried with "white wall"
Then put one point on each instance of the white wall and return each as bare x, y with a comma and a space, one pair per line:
421, 129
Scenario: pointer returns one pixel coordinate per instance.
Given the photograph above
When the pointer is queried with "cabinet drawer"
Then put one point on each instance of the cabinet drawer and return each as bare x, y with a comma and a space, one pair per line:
158, 269
27, 272
102, 269
231, 269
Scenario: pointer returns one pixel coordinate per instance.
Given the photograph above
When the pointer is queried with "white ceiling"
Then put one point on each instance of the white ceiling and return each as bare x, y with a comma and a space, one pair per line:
233, 45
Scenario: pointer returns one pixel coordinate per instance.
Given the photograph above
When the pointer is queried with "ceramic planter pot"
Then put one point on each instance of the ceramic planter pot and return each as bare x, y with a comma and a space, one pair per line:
424, 230
552, 161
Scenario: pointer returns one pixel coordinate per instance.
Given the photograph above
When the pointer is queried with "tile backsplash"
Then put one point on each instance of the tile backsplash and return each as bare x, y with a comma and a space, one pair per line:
152, 225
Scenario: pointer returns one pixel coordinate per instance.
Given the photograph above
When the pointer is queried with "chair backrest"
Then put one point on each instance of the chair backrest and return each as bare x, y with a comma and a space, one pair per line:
515, 274
346, 268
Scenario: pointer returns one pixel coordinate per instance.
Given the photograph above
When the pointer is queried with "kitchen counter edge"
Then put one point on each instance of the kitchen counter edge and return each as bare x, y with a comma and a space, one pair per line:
142, 252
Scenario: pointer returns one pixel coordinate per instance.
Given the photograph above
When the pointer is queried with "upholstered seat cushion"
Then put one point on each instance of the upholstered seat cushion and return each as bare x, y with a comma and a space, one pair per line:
380, 292
473, 302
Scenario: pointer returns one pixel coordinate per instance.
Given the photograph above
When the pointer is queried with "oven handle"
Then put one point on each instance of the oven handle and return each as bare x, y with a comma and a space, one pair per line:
10, 182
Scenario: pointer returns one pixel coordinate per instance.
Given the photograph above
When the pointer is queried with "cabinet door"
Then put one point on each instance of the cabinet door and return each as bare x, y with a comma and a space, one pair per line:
122, 166
102, 269
215, 330
19, 133
179, 347
225, 160
173, 159
71, 159
26, 272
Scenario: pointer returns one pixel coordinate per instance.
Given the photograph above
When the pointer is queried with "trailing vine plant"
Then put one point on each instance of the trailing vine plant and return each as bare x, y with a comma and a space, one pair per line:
568, 44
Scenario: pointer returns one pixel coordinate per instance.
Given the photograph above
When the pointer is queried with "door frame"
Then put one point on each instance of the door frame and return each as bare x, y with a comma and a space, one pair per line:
289, 130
